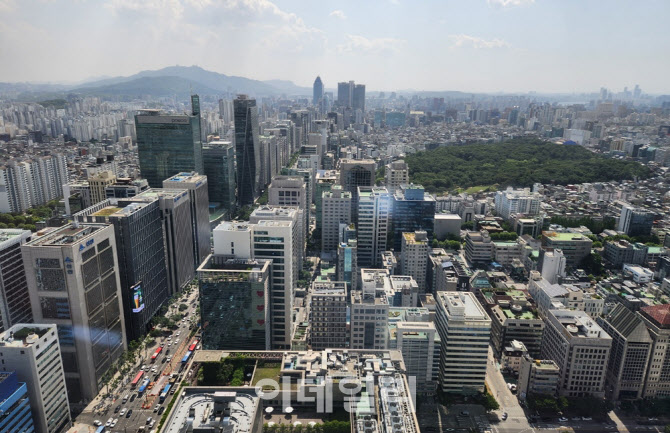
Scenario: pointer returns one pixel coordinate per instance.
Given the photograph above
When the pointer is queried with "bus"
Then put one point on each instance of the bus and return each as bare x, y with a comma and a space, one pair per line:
164, 394
100, 429
193, 345
144, 386
186, 357
156, 353
137, 379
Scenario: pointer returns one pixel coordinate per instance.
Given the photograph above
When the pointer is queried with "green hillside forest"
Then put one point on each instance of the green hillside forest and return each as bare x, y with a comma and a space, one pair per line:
517, 163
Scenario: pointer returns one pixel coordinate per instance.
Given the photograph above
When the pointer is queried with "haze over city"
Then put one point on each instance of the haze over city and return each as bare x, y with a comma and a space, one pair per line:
473, 46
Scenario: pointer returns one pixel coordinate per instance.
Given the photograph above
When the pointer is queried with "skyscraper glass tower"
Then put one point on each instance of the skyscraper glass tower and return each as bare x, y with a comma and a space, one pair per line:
318, 91
247, 149
168, 144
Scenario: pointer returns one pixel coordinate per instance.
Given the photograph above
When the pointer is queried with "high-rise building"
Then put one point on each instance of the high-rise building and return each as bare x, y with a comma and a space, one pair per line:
345, 93
328, 304
374, 215
168, 144
420, 345
464, 329
396, 174
370, 311
32, 352
575, 246
347, 260
413, 210
29, 182
285, 213
358, 98
140, 242
336, 210
290, 191
629, 358
219, 164
247, 150
14, 404
98, 182
271, 239
73, 280
581, 348
414, 257
318, 91
14, 299
355, 173
657, 319
235, 303
196, 185
175, 207
635, 222
510, 202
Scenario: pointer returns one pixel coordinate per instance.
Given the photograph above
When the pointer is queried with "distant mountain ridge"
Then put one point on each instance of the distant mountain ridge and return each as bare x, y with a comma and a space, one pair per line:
172, 80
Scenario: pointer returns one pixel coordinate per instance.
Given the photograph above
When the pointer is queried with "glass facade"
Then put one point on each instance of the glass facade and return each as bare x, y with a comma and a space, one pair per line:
15, 415
219, 165
168, 145
412, 211
233, 304
247, 150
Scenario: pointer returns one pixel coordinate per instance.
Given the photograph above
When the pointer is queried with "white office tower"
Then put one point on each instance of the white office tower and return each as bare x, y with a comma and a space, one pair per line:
516, 201
397, 173
419, 343
370, 310
73, 281
553, 265
290, 191
335, 210
374, 217
414, 257
274, 240
286, 213
581, 348
465, 330
33, 352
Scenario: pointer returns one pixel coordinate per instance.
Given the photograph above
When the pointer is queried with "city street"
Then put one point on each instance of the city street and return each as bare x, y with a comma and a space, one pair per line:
174, 346
516, 421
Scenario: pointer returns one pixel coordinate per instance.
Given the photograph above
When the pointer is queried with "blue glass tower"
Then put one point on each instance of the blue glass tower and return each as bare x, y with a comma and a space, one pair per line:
15, 415
413, 210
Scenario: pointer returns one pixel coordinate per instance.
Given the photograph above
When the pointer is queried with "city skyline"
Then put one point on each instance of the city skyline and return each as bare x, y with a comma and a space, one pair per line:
439, 46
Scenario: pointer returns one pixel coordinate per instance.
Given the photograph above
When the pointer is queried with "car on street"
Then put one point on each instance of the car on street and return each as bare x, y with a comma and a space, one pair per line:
586, 418
504, 416
114, 422
562, 419
152, 423
576, 418
161, 410
97, 423
117, 409
130, 412
144, 368
109, 422
149, 420
123, 411
158, 406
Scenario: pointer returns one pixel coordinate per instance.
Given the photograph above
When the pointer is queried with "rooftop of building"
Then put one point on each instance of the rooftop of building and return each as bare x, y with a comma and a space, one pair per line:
67, 235
564, 237
186, 177
10, 235
463, 304
659, 314
23, 334
578, 324
107, 211
415, 237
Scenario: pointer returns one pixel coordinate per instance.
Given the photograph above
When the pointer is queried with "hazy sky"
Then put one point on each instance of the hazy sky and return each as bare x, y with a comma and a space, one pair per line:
469, 45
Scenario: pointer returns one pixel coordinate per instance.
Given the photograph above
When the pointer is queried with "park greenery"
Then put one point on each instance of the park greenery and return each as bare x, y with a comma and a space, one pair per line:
29, 219
333, 426
596, 226
580, 406
518, 163
229, 372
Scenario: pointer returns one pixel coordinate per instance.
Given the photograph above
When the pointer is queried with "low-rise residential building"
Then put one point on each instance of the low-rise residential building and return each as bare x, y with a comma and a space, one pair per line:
512, 355
478, 247
537, 377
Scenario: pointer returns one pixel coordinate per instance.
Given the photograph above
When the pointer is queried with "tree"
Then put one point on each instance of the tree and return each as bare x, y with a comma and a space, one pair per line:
490, 403
183, 307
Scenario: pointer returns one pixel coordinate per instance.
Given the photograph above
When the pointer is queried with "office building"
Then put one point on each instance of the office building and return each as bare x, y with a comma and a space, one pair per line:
328, 305
512, 201
552, 265
355, 173
235, 303
446, 225
31, 351
98, 183
396, 174
74, 281
345, 94
247, 150
414, 257
336, 209
219, 165
175, 208
14, 299
465, 330
580, 348
420, 345
140, 243
290, 191
478, 247
374, 217
413, 210
347, 262
358, 98
629, 358
635, 221
513, 318
369, 311
30, 182
317, 93
622, 252
537, 377
124, 188
168, 144
14, 405
657, 320
196, 185
575, 246
285, 213
271, 239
